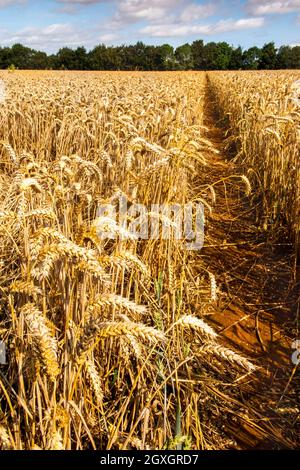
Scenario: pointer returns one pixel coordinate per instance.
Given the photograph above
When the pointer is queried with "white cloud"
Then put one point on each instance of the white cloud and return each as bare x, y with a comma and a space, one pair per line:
194, 12
237, 25
71, 6
154, 12
49, 37
264, 7
177, 29
108, 38
145, 10
129, 11
81, 2
55, 36
147, 13
6, 3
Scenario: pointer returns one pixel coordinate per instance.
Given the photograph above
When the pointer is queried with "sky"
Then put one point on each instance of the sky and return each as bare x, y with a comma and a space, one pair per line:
50, 24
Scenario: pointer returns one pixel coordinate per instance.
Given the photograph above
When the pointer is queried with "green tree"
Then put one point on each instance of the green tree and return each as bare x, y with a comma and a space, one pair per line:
251, 58
268, 57
97, 57
21, 56
284, 57
66, 59
223, 56
112, 59
137, 57
154, 58
184, 57
52, 62
5, 57
105, 58
197, 49
295, 62
197, 56
81, 59
210, 56
167, 57
39, 60
236, 59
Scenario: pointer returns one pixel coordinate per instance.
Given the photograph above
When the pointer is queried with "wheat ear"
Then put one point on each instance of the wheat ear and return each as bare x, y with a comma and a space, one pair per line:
229, 355
44, 342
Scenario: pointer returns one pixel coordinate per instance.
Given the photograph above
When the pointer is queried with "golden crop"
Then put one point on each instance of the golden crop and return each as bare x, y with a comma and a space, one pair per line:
107, 341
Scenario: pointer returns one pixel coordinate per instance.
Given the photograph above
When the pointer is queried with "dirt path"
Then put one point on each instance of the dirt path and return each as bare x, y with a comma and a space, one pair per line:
257, 301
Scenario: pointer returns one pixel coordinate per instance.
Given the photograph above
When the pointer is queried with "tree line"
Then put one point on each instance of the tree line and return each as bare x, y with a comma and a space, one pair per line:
195, 56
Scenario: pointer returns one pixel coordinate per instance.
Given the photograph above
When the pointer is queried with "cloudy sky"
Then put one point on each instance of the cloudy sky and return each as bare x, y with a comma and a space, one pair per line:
50, 24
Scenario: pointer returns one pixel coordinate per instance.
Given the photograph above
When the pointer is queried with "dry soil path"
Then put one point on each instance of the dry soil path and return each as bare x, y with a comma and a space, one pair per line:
258, 300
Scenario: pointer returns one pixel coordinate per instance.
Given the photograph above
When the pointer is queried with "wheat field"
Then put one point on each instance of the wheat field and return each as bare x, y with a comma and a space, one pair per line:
110, 343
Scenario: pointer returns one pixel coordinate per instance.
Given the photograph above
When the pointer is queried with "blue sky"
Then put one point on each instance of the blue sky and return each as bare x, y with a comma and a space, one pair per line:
50, 24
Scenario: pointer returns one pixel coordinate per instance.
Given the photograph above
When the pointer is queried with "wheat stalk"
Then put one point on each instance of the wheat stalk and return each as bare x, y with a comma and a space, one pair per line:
42, 338
224, 353
5, 440
101, 330
94, 380
189, 321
